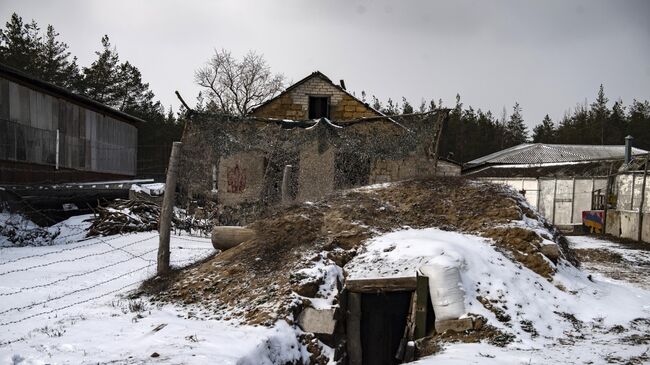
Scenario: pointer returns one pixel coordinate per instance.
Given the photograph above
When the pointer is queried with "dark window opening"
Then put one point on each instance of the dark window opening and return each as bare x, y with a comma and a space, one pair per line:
319, 107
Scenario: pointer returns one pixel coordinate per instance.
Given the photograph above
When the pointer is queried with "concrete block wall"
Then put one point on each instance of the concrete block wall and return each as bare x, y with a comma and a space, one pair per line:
408, 168
316, 174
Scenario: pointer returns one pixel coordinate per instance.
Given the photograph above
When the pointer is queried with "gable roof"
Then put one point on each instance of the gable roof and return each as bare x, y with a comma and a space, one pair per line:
543, 153
20, 77
324, 78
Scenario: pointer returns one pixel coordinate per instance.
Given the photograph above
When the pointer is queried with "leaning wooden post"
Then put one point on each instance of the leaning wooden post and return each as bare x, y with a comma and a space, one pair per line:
286, 175
435, 140
164, 226
642, 202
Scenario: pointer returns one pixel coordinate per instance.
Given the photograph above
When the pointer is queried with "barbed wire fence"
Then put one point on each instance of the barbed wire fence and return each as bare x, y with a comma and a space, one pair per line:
115, 244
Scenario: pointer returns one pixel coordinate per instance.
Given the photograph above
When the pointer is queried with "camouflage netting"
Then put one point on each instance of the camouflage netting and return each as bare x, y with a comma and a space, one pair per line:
357, 144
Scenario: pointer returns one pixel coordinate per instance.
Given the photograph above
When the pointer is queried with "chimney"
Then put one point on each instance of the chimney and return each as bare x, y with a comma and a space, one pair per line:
628, 149
343, 84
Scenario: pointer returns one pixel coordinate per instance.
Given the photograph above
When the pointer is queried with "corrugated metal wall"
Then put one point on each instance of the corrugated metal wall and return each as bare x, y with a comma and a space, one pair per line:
560, 200
88, 140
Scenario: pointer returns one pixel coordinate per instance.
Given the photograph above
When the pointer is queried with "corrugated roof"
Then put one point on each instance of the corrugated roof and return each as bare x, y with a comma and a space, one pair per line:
541, 153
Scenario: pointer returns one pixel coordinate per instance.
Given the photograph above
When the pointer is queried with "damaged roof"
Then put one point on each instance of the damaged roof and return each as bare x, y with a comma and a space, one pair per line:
542, 153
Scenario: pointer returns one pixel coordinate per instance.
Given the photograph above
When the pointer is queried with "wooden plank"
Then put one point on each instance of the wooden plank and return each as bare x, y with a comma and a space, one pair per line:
353, 330
381, 284
421, 304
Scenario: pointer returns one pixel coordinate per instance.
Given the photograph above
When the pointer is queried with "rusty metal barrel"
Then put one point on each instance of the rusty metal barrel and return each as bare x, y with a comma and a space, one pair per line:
225, 237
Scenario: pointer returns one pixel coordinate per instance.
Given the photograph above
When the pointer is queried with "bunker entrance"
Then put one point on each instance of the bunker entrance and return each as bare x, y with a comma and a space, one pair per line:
384, 316
383, 319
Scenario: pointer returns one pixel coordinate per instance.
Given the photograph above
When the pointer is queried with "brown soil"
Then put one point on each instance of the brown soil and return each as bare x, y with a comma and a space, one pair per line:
431, 345
598, 255
254, 280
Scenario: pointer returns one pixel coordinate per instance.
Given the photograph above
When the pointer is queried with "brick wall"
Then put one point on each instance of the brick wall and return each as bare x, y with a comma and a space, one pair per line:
295, 103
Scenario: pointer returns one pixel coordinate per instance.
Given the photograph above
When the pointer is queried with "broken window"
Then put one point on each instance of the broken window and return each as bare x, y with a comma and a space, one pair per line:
319, 107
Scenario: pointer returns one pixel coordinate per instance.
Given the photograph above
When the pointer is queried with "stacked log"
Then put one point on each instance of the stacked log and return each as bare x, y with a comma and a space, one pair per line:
124, 216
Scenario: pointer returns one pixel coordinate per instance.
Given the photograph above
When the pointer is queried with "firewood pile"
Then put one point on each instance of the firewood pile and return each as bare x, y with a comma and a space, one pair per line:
123, 216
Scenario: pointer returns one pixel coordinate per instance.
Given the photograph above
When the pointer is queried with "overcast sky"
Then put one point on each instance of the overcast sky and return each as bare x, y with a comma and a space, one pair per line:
547, 55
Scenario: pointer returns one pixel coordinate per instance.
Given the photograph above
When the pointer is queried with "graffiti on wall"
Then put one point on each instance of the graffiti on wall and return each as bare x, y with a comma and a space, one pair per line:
593, 220
236, 179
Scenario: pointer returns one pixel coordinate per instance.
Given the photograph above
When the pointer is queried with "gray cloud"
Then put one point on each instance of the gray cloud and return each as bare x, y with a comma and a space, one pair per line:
546, 55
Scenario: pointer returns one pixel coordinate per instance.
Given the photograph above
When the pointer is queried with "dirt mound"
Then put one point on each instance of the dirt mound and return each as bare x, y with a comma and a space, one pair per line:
256, 280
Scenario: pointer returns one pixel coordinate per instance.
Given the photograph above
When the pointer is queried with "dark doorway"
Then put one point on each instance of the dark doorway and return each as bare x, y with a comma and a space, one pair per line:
383, 318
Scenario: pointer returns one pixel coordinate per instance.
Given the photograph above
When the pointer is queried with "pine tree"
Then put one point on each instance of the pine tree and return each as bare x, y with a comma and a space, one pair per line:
54, 62
639, 123
516, 131
544, 132
20, 45
599, 113
130, 92
100, 80
423, 106
392, 108
617, 124
376, 104
407, 108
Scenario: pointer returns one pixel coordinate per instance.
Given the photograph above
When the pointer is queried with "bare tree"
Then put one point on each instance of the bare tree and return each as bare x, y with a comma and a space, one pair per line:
237, 87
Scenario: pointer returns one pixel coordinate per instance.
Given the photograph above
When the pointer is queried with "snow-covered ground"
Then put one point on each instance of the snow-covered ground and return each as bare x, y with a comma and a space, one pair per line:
623, 262
575, 319
65, 304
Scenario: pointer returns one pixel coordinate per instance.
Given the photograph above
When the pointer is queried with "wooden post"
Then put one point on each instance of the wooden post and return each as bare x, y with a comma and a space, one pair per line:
554, 197
573, 200
643, 186
167, 211
286, 176
607, 187
353, 324
421, 306
435, 140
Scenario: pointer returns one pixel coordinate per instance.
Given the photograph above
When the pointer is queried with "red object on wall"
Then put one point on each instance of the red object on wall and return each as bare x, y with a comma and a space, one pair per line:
236, 179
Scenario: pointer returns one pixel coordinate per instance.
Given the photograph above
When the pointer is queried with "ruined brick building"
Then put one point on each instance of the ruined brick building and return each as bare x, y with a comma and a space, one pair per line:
312, 139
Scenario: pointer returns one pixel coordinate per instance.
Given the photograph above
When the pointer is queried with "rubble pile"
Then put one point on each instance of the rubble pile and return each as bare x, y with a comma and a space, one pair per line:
123, 216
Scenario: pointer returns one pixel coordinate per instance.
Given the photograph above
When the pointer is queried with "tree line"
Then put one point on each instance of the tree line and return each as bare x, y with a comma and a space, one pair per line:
237, 86
470, 133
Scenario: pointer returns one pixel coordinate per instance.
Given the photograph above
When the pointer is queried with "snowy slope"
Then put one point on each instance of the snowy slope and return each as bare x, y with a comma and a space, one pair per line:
521, 294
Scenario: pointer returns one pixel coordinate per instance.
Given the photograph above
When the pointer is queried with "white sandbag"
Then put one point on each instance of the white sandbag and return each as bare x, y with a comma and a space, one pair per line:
446, 290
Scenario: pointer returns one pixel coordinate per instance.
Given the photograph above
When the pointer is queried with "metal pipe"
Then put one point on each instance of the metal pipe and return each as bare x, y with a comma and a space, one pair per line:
628, 149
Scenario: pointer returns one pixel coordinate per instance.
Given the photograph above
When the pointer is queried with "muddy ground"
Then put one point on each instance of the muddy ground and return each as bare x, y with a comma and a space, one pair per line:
255, 281
615, 258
